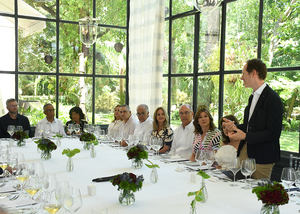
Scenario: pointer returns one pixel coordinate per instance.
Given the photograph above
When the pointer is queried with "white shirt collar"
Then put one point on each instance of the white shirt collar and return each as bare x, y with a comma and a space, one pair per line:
188, 125
260, 89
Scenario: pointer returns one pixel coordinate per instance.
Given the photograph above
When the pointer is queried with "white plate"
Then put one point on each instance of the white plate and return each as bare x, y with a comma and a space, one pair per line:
191, 163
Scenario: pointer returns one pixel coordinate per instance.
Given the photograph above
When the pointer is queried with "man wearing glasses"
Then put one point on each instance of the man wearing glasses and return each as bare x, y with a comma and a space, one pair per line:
128, 125
183, 136
145, 125
49, 126
13, 118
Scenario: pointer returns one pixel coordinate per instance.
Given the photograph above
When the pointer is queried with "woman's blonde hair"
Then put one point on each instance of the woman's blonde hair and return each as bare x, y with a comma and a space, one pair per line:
155, 122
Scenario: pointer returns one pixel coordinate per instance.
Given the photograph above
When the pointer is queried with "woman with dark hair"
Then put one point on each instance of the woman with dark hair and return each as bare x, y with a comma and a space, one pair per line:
230, 147
113, 128
77, 117
162, 130
207, 136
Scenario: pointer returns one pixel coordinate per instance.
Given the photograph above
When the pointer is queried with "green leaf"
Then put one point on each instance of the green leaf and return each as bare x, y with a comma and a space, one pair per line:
70, 153
191, 193
203, 174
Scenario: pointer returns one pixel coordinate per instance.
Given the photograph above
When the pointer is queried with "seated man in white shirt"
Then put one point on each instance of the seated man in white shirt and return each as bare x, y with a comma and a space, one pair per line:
128, 125
145, 124
49, 126
183, 136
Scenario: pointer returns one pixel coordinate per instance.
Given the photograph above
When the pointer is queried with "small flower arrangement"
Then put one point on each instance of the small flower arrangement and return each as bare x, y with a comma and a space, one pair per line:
137, 153
88, 139
271, 194
128, 182
20, 136
46, 146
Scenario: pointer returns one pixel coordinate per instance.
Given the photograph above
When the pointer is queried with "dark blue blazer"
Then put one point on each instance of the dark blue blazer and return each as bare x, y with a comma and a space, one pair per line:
264, 127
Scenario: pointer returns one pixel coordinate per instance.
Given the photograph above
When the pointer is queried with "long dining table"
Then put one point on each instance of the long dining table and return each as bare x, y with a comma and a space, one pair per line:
168, 195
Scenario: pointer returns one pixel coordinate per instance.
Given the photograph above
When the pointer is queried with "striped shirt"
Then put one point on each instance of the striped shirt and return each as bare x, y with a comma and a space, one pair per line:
211, 141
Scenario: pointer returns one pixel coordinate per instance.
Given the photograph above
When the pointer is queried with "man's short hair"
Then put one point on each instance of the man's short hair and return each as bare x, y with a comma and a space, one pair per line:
259, 66
10, 100
186, 105
127, 107
47, 104
144, 106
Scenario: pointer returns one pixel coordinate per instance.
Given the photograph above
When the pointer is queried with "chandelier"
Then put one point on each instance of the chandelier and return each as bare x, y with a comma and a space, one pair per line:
206, 6
88, 30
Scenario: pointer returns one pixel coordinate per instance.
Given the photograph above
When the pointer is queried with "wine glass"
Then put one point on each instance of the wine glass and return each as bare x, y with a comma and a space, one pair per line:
209, 157
71, 128
72, 200
199, 157
248, 166
18, 128
157, 143
288, 176
77, 128
32, 185
86, 128
11, 130
52, 203
234, 167
297, 183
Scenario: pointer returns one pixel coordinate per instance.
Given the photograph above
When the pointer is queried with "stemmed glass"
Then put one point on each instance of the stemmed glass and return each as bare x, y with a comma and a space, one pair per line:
209, 157
200, 156
33, 185
297, 183
72, 200
52, 203
71, 128
11, 130
247, 168
156, 144
86, 128
18, 128
288, 176
77, 128
234, 167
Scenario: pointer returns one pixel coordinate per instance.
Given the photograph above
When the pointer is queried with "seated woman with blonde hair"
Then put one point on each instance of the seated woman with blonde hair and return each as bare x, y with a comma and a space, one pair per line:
162, 130
207, 136
229, 148
113, 128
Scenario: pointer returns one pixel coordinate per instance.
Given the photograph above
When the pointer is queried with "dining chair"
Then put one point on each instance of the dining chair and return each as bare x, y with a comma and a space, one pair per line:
294, 162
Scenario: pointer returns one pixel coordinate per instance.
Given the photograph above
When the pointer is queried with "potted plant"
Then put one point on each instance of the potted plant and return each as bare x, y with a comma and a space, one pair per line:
70, 153
272, 195
46, 146
20, 136
127, 183
88, 139
136, 154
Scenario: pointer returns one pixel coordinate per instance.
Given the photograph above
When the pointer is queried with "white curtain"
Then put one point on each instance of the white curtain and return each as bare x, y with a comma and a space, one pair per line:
146, 36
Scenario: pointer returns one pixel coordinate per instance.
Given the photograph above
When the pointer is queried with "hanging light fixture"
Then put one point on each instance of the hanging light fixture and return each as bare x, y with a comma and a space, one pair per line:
206, 5
88, 30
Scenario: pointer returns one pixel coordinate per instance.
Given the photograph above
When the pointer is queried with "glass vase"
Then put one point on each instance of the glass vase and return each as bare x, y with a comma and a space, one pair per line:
269, 209
193, 210
204, 191
86, 145
21, 143
126, 197
137, 164
46, 155
154, 176
70, 165
92, 151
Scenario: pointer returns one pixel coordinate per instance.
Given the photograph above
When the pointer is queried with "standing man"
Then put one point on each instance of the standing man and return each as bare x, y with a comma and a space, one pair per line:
49, 126
184, 135
262, 124
13, 118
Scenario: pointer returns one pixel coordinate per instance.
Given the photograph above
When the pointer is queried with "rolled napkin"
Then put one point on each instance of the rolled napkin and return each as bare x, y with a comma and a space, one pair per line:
103, 179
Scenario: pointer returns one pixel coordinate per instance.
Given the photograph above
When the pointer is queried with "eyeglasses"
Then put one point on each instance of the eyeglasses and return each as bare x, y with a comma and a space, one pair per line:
141, 114
184, 113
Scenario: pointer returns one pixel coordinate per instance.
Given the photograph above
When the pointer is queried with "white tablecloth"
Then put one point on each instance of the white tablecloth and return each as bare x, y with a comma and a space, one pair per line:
169, 195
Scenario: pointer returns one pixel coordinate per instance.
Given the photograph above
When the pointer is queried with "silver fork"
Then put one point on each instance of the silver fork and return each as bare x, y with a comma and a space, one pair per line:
14, 197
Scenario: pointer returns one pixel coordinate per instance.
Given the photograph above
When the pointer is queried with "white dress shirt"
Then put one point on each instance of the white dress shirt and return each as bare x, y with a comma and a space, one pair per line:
256, 94
144, 128
113, 128
128, 128
183, 141
48, 129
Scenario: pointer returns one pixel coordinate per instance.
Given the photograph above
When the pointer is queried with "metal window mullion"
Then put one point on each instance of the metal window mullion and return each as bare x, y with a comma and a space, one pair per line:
196, 60
57, 58
16, 51
260, 24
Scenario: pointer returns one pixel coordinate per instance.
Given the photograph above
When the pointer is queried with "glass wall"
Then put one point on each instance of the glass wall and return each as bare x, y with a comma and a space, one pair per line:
49, 64
214, 53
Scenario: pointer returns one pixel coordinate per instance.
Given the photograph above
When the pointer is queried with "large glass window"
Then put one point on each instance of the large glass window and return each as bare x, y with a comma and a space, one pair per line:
241, 33
281, 25
7, 43
37, 8
7, 90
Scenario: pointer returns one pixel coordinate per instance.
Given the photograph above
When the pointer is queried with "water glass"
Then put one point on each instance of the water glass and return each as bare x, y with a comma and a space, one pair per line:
72, 200
247, 168
234, 167
11, 130
288, 177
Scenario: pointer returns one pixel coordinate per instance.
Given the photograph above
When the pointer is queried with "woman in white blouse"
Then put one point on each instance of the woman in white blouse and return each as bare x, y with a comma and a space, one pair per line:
113, 128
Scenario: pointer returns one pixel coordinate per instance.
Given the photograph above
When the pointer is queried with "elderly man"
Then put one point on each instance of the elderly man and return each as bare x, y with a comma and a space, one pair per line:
183, 136
145, 125
13, 118
49, 126
261, 129
128, 125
